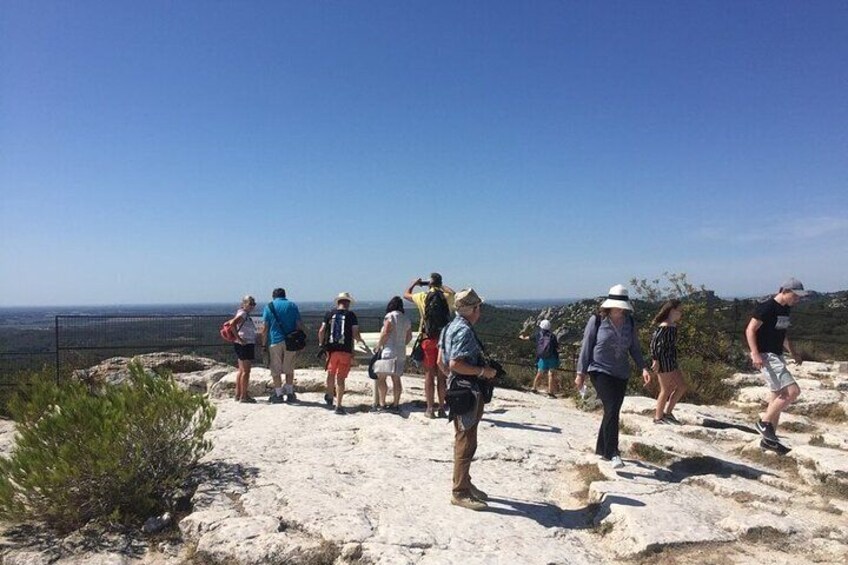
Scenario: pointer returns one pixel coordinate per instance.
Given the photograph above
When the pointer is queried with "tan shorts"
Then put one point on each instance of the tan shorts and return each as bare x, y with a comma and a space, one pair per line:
775, 373
281, 360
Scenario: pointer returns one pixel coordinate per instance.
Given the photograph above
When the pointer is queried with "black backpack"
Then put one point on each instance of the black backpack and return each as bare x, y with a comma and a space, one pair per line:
436, 313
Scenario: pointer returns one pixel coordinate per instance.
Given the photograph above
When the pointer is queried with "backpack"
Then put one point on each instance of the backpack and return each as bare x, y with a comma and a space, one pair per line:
336, 336
436, 313
598, 326
229, 332
546, 345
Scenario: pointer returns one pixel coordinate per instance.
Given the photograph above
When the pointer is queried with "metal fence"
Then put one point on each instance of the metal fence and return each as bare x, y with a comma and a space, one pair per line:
83, 341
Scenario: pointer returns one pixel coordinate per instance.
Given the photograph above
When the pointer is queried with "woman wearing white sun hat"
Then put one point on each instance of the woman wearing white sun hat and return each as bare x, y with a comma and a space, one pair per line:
609, 341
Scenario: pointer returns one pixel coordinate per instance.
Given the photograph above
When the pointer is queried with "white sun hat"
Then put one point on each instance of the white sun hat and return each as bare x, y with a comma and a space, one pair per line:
618, 298
545, 324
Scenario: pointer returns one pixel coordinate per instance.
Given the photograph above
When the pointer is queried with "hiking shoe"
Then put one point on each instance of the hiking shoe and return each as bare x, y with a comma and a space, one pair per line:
478, 494
468, 502
775, 446
617, 463
767, 431
341, 411
328, 399
662, 421
276, 398
442, 413
429, 414
670, 419
248, 400
291, 397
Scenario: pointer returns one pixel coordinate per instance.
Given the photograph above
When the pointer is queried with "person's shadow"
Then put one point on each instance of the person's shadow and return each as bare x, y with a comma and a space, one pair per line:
518, 426
552, 516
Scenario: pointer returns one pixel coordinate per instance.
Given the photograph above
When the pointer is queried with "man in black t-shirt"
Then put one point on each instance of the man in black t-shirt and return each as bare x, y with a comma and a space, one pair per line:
337, 334
766, 336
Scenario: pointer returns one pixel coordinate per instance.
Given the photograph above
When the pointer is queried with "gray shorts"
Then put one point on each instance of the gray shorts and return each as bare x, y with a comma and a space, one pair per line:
775, 373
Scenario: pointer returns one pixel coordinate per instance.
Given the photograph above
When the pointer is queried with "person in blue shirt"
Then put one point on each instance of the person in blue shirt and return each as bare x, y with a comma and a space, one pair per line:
609, 341
281, 317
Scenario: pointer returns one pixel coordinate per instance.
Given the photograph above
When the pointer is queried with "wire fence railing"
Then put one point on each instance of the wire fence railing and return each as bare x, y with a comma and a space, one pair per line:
83, 341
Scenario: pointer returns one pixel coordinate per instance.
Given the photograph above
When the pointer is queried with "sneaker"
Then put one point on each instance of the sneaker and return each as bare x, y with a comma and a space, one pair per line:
775, 446
767, 431
429, 414
551, 395
468, 502
328, 399
670, 419
442, 413
377, 409
617, 463
478, 494
248, 400
393, 408
291, 397
340, 410
661, 421
276, 398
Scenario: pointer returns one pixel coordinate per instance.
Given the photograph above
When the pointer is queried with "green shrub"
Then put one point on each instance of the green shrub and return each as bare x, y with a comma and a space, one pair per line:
114, 454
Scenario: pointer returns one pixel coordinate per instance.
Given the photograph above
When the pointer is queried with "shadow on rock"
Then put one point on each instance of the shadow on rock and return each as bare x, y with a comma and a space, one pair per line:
224, 474
91, 539
695, 466
529, 427
721, 425
545, 514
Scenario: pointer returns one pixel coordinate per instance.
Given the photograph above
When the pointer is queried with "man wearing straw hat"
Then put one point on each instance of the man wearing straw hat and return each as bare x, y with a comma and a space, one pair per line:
338, 332
461, 351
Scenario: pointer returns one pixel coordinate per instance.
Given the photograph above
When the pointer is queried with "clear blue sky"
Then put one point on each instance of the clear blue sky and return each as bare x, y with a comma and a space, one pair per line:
166, 152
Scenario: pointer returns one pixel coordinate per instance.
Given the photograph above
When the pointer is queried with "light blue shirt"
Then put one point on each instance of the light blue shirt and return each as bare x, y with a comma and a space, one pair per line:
611, 351
288, 314
458, 342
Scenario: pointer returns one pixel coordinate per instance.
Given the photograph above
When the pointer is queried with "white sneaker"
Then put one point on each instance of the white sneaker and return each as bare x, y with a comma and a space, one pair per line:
617, 463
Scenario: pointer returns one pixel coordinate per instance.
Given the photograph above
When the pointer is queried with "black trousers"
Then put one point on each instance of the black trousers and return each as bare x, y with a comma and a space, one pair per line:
611, 392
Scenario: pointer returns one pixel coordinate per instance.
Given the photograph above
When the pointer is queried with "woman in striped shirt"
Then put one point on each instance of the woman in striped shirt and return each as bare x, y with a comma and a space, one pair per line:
664, 353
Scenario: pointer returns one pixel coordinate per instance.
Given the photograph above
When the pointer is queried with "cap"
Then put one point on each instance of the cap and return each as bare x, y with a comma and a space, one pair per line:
795, 286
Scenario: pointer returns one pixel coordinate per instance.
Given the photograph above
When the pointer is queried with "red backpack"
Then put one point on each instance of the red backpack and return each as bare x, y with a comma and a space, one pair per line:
229, 332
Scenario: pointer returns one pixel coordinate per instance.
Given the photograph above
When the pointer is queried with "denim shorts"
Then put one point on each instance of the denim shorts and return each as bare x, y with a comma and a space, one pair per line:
775, 373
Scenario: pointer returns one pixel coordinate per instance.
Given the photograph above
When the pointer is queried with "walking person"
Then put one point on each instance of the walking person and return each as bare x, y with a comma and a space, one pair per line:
281, 317
434, 307
664, 354
547, 358
338, 332
610, 340
394, 337
462, 353
245, 347
767, 339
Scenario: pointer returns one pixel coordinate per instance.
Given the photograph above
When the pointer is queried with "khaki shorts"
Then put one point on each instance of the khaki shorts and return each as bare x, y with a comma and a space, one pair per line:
281, 360
775, 373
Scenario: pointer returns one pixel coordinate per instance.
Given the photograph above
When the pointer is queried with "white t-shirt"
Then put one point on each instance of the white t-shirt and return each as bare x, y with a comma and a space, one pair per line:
247, 331
395, 346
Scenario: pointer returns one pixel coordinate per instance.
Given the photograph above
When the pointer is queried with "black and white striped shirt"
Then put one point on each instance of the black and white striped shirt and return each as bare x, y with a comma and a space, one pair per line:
664, 347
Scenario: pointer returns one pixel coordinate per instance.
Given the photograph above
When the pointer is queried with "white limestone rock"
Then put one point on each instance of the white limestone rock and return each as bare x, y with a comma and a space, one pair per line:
828, 463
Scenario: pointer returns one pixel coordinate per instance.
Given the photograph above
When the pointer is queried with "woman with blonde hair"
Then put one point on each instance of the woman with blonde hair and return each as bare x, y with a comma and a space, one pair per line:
664, 353
245, 347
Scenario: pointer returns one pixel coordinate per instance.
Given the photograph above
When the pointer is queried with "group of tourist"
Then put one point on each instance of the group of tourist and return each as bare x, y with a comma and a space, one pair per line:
459, 375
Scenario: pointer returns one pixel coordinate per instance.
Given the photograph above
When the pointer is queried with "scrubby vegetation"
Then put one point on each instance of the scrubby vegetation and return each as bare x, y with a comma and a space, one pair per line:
114, 455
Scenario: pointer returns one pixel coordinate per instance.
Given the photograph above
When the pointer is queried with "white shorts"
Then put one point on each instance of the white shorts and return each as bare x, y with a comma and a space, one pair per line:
775, 373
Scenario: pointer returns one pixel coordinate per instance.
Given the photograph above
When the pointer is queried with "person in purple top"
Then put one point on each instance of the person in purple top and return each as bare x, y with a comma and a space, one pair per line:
609, 342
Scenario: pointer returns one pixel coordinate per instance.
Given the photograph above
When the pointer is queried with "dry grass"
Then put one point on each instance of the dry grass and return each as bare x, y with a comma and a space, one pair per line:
772, 460
650, 454
798, 427
588, 474
627, 429
830, 412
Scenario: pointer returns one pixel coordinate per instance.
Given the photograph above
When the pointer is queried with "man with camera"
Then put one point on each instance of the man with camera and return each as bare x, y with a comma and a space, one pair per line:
434, 306
461, 353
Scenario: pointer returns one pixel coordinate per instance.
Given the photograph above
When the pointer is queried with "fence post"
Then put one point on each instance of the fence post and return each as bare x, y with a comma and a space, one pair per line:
56, 344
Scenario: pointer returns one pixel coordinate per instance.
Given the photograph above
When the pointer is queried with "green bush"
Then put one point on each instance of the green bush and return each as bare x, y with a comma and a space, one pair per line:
115, 454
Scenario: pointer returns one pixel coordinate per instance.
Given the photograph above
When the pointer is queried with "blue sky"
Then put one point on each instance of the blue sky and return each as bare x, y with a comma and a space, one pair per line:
168, 152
